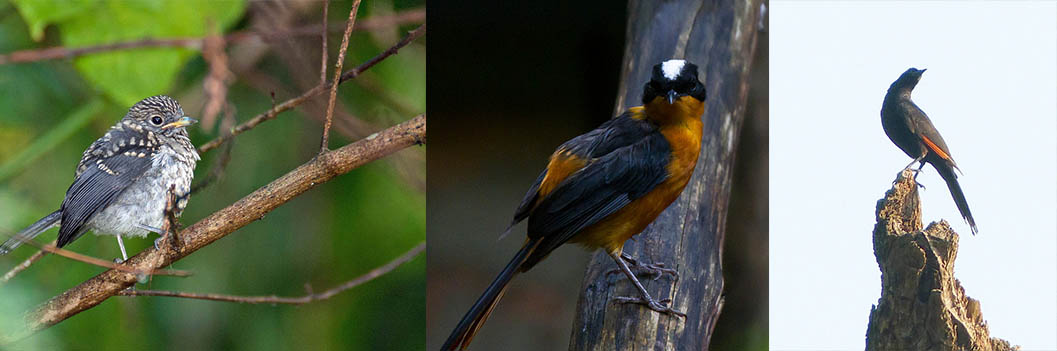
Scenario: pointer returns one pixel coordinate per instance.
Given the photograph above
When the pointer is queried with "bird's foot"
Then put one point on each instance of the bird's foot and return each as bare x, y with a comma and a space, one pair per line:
657, 306
914, 178
653, 270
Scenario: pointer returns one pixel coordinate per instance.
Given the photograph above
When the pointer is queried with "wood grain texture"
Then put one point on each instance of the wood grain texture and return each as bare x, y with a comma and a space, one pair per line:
922, 305
720, 37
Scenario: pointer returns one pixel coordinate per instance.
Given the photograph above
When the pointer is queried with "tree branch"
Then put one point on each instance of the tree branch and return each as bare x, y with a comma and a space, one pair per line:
36, 256
337, 75
688, 236
374, 273
323, 38
254, 206
288, 104
62, 52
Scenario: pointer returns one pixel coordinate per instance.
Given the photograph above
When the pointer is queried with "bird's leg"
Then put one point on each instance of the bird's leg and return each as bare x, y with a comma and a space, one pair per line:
646, 300
917, 171
121, 244
656, 270
158, 231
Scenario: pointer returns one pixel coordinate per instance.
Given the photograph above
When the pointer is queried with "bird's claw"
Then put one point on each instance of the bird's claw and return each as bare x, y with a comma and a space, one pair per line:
656, 306
654, 270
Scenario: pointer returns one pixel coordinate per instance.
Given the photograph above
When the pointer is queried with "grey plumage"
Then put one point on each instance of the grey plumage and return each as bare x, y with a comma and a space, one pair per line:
122, 182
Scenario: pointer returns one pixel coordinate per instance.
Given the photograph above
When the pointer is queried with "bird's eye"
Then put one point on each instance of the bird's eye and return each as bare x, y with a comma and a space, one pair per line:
156, 120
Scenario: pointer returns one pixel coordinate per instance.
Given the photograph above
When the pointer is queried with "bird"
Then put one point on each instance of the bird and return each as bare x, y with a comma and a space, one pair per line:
603, 187
911, 130
121, 185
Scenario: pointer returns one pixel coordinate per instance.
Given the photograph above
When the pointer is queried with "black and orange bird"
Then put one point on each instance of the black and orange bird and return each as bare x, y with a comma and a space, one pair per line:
912, 131
603, 187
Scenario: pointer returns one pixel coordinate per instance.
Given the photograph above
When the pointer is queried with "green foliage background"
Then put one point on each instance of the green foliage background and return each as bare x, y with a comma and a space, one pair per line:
51, 110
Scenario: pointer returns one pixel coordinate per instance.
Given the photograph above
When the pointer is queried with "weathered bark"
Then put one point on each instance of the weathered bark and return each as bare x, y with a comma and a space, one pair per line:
922, 305
720, 37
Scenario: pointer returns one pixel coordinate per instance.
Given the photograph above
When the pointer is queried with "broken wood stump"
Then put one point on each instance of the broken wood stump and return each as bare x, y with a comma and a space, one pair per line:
922, 305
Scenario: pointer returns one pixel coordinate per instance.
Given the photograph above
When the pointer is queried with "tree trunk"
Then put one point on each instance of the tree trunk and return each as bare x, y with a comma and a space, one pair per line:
922, 305
720, 37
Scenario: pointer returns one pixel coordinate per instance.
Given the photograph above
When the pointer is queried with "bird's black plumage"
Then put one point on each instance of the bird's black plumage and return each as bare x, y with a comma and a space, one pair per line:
627, 158
603, 187
911, 130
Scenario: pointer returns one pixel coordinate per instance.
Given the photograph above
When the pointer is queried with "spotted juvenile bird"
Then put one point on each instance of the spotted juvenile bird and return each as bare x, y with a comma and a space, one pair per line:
122, 183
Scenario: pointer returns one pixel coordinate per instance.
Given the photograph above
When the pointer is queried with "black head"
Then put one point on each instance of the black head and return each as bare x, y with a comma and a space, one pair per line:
160, 114
673, 79
908, 79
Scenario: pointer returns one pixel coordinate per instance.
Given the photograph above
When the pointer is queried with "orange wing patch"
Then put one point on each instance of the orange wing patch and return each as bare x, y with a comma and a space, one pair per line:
562, 164
932, 146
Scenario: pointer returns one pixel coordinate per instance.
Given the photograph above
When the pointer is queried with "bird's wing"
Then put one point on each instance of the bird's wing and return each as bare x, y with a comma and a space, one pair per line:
613, 134
603, 186
109, 166
922, 127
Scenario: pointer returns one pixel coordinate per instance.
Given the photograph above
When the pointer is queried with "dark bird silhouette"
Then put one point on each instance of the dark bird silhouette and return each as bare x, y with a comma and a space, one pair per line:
912, 131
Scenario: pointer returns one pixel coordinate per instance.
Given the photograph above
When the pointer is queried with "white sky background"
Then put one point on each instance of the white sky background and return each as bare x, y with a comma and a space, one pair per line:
990, 90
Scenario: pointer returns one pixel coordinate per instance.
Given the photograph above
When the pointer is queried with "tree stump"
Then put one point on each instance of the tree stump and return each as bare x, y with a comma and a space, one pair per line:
922, 305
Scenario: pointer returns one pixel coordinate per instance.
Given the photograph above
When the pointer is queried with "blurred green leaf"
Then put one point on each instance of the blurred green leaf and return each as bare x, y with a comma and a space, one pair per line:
129, 75
39, 13
53, 137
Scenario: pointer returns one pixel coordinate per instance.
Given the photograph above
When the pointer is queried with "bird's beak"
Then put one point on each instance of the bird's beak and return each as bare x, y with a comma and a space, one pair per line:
672, 95
182, 122
924, 69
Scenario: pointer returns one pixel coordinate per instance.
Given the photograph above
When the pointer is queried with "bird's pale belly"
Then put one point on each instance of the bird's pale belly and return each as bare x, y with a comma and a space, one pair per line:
143, 203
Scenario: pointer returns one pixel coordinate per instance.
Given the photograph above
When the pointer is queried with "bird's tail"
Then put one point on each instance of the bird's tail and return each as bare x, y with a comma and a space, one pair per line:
947, 172
471, 322
30, 232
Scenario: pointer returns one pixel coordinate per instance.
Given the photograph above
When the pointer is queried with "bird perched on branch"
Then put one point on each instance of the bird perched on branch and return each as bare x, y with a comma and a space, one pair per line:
912, 131
603, 187
122, 183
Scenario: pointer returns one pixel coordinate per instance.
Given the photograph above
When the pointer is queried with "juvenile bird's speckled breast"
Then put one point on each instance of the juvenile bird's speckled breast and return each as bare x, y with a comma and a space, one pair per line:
143, 203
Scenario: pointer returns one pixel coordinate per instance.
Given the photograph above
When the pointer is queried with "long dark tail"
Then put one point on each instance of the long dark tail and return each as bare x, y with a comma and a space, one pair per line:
471, 322
30, 232
947, 172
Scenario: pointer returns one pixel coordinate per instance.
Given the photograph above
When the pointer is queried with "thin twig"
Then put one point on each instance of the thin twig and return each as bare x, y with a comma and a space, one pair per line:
288, 104
107, 264
62, 52
25, 264
323, 37
220, 163
310, 297
337, 74
217, 82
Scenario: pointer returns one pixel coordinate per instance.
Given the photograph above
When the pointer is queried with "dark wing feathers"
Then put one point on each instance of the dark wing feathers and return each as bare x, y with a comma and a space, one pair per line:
604, 186
920, 124
524, 209
611, 135
98, 184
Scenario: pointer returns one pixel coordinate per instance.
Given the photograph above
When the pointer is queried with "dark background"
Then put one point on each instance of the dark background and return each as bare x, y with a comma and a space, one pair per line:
509, 82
